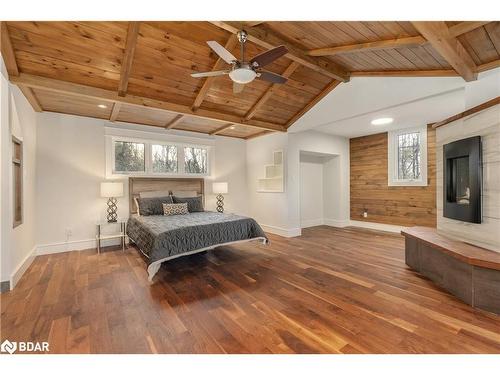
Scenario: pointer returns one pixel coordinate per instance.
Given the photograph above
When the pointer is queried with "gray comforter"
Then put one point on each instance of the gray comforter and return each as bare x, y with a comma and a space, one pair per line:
161, 237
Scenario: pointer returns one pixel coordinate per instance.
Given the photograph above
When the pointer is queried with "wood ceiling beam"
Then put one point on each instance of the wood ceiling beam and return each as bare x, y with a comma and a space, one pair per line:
274, 87
128, 56
139, 101
465, 27
31, 97
438, 34
9, 57
313, 102
174, 122
115, 111
369, 46
219, 64
268, 40
407, 73
221, 129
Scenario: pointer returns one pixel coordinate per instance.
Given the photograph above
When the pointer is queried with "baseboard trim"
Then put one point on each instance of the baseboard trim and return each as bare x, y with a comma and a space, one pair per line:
21, 268
311, 223
377, 226
283, 232
78, 245
337, 223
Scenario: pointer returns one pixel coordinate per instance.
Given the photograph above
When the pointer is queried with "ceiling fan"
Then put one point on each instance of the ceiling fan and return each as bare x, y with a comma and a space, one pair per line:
242, 72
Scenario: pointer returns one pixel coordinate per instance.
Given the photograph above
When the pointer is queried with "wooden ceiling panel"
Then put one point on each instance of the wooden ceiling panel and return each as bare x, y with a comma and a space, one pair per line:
71, 104
239, 131
68, 51
479, 43
137, 115
199, 125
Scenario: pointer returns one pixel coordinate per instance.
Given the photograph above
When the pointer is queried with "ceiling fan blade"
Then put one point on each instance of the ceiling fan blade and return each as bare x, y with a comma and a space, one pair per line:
214, 73
271, 77
223, 53
269, 56
238, 87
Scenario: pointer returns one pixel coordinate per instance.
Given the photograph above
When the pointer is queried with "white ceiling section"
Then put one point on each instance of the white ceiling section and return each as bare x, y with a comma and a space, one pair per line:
349, 109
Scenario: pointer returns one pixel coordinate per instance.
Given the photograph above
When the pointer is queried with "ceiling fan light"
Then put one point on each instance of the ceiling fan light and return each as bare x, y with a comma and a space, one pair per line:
242, 75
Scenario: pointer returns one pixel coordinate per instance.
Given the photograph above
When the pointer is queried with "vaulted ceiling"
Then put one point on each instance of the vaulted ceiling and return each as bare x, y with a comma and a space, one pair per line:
139, 72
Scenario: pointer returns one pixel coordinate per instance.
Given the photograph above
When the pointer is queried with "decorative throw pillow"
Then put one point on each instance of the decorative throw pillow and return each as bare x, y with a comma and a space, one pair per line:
170, 209
194, 204
152, 206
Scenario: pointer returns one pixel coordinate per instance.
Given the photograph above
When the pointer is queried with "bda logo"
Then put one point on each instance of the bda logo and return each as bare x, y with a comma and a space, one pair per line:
9, 347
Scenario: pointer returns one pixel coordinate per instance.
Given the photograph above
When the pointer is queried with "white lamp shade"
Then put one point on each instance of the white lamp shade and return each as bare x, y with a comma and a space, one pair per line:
219, 187
111, 189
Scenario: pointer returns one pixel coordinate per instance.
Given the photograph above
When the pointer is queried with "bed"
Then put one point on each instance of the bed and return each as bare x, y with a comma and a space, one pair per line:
163, 238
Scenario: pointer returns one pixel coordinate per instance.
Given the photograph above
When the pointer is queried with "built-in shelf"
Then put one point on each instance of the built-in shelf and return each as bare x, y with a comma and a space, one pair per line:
273, 180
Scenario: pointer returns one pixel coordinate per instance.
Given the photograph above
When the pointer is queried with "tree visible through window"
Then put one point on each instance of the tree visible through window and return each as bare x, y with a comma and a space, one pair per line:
409, 156
129, 157
195, 160
164, 158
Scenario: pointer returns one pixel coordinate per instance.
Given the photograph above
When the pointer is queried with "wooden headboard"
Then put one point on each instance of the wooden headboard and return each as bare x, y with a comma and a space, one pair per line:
137, 185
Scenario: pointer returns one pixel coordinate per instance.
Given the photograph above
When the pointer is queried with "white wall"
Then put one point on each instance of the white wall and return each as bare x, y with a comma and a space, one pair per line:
280, 212
71, 164
337, 188
4, 172
269, 209
311, 194
17, 119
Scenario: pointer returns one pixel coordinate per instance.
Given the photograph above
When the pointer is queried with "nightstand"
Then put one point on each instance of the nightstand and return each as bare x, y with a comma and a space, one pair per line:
106, 236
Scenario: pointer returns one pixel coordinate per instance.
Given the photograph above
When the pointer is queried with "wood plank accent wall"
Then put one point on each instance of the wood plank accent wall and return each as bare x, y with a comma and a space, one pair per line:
397, 205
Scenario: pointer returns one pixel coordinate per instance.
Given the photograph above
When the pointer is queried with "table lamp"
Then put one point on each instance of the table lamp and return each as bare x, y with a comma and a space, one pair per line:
220, 188
112, 190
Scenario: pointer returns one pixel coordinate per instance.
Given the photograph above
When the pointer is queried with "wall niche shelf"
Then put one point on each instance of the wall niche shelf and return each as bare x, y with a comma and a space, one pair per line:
273, 180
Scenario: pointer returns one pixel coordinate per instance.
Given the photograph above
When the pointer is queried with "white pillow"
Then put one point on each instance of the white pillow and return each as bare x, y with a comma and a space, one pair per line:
184, 194
154, 194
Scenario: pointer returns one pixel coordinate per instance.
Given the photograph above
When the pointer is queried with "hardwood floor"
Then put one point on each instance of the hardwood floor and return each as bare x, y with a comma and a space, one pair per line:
328, 291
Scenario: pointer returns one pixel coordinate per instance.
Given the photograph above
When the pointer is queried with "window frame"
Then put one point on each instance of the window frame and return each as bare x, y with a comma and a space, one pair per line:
163, 143
393, 157
148, 157
17, 162
113, 157
184, 161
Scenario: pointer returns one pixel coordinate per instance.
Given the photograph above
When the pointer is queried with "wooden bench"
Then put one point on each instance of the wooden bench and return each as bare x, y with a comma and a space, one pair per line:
469, 272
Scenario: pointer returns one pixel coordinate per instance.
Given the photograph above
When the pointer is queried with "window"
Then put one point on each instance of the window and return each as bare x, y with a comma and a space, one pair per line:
195, 160
17, 169
129, 157
164, 158
407, 157
135, 156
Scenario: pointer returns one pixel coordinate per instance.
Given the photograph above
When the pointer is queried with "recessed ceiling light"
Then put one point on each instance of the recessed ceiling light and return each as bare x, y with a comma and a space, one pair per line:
102, 106
232, 127
382, 121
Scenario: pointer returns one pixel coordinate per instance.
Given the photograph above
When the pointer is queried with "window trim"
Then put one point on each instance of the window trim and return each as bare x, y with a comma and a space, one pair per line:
162, 143
393, 161
148, 172
113, 158
18, 162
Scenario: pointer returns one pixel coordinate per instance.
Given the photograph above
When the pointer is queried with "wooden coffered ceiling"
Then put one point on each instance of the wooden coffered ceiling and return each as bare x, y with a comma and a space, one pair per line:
139, 72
